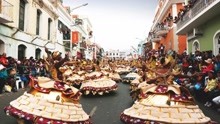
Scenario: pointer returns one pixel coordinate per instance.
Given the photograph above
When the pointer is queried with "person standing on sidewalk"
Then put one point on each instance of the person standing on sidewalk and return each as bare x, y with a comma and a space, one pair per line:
3, 71
161, 49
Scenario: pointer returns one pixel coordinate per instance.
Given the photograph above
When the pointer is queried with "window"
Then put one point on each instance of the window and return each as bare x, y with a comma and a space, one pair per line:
21, 15
38, 22
65, 30
37, 53
195, 46
49, 28
113, 54
21, 51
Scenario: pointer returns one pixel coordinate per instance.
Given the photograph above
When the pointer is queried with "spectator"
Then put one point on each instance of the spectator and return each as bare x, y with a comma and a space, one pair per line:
217, 63
161, 49
216, 96
208, 67
209, 89
11, 80
4, 60
185, 65
3, 76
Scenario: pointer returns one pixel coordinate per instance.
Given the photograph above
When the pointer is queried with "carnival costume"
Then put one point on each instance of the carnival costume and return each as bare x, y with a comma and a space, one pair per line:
49, 100
160, 100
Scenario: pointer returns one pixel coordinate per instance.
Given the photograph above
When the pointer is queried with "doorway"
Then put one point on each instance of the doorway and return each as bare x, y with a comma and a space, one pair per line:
21, 51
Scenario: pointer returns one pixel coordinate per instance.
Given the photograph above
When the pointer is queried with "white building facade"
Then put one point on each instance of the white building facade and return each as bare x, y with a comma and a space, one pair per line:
28, 26
32, 28
84, 28
116, 54
113, 54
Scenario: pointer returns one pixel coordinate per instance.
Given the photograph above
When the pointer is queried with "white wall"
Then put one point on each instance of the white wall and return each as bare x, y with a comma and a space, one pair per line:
12, 37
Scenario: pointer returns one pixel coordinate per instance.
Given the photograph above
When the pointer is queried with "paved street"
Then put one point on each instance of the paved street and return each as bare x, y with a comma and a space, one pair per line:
108, 108
103, 109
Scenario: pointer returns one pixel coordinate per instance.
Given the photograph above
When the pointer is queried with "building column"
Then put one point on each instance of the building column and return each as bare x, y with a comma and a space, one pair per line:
175, 36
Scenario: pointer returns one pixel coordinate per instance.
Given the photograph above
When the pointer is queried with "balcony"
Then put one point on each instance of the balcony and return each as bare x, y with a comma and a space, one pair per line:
162, 31
162, 10
156, 39
6, 12
200, 13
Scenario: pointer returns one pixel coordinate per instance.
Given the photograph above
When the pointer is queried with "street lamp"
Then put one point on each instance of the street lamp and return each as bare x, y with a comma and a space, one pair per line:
79, 6
71, 45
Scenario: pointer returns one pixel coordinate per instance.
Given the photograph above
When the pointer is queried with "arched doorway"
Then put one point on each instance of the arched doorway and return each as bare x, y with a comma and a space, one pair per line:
2, 47
195, 46
37, 53
21, 51
216, 43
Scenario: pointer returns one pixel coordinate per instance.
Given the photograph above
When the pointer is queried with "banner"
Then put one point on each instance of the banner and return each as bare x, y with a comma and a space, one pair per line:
75, 36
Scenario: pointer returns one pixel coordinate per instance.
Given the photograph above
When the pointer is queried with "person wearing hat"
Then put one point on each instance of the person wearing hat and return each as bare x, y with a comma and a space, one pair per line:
208, 67
161, 49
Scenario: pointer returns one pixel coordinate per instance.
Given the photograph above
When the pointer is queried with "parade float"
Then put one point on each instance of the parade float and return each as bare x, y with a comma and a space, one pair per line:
160, 100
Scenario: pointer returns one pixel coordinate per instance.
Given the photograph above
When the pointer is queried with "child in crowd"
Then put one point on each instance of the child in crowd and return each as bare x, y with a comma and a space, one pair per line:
210, 88
216, 97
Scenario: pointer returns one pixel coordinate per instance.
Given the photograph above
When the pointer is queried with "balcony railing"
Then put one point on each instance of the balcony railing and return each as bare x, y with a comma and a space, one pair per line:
155, 39
6, 11
199, 6
162, 31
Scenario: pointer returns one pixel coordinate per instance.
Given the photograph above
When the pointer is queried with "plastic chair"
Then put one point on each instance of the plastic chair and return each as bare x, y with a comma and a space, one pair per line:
19, 82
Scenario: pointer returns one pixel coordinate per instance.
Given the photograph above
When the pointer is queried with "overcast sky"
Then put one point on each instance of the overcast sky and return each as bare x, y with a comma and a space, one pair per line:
117, 23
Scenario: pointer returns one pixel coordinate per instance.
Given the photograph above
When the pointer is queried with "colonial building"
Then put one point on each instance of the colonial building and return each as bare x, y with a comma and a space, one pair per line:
163, 30
27, 27
200, 22
97, 52
113, 54
82, 35
117, 54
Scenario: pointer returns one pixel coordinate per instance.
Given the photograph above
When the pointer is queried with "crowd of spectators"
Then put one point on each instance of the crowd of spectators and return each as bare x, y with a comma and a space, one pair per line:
200, 74
183, 11
12, 70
